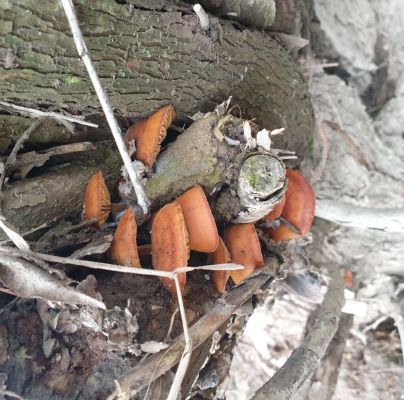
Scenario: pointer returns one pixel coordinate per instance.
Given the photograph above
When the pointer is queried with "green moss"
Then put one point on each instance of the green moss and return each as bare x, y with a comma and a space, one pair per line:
72, 80
146, 52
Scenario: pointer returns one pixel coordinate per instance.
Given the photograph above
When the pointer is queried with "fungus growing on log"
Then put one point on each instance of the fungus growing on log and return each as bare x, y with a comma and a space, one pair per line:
244, 247
97, 201
170, 244
298, 209
201, 225
123, 246
276, 211
220, 256
148, 135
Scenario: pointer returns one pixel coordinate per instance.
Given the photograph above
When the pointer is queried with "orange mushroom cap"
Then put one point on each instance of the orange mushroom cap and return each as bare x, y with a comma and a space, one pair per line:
149, 133
220, 256
276, 212
298, 209
201, 225
244, 247
97, 201
170, 244
123, 246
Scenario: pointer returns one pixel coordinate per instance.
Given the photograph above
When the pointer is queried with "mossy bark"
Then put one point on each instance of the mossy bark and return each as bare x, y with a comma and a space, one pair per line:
149, 54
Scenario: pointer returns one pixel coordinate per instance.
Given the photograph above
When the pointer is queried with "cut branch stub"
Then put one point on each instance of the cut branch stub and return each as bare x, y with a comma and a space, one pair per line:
148, 135
97, 201
170, 244
261, 185
124, 247
220, 256
201, 225
244, 247
298, 209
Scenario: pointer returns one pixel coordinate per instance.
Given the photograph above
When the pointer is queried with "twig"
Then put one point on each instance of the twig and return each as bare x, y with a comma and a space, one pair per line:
304, 361
20, 142
170, 327
385, 219
137, 378
31, 112
102, 96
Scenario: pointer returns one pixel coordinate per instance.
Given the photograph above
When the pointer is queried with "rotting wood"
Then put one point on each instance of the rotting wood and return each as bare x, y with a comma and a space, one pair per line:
157, 364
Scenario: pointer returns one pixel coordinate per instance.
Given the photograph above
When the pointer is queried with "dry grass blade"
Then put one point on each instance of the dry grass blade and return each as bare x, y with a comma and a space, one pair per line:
102, 96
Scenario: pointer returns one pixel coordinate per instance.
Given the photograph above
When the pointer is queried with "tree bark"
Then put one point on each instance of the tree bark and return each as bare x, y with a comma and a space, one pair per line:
148, 55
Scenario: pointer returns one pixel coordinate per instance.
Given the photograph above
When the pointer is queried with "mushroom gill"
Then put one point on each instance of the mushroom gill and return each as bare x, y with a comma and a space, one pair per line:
148, 135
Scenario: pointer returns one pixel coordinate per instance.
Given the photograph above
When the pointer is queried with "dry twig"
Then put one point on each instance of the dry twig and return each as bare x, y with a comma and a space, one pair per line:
31, 112
18, 145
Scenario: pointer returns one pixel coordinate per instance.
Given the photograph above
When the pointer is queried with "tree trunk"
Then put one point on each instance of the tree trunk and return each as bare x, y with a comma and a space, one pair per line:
146, 56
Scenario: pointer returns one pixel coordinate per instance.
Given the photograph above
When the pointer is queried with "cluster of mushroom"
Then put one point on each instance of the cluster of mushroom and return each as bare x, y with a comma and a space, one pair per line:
187, 223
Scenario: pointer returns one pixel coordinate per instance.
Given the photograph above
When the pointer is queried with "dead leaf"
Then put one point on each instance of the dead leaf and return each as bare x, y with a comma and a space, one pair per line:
30, 281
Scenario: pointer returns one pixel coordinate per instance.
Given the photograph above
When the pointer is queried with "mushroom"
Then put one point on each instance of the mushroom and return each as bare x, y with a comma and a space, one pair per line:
276, 211
123, 246
97, 201
148, 135
298, 209
220, 256
201, 225
169, 239
244, 247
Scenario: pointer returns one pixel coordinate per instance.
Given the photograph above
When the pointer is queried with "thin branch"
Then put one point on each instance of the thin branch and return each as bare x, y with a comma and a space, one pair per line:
385, 219
304, 361
31, 112
102, 96
18, 145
